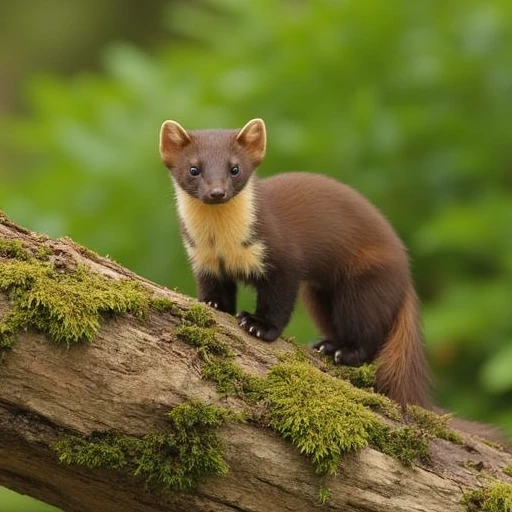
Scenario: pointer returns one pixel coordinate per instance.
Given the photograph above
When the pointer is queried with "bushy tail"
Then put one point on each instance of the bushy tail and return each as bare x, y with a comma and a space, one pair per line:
403, 375
402, 369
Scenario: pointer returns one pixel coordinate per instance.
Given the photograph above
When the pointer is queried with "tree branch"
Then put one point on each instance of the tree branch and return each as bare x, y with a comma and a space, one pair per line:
134, 371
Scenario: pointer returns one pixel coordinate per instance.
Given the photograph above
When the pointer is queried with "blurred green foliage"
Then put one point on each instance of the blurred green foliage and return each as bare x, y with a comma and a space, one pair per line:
409, 102
13, 502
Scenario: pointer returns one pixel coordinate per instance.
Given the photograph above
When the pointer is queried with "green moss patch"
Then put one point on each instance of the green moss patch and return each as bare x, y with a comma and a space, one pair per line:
407, 444
177, 459
493, 498
318, 413
323, 495
359, 382
508, 470
200, 316
232, 380
217, 358
9, 328
162, 304
324, 416
433, 423
205, 339
13, 249
376, 402
65, 305
361, 376
492, 444
43, 253
315, 414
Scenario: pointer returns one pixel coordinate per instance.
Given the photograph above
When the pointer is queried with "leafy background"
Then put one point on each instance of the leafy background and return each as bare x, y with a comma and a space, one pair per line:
409, 102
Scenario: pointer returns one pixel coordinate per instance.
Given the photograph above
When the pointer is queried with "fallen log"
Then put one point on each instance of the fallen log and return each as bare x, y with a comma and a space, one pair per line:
117, 394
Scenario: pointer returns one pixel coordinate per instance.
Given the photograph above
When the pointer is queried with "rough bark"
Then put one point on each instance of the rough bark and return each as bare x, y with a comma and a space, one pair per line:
135, 371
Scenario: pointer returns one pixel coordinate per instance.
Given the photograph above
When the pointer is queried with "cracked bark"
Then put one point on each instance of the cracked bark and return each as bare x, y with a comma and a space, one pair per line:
133, 372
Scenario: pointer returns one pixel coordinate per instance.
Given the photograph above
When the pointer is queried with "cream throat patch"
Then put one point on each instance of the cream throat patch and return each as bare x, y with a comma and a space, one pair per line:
219, 237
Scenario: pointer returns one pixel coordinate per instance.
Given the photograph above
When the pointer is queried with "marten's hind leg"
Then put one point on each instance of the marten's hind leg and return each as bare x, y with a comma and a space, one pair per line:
318, 303
327, 308
356, 316
363, 310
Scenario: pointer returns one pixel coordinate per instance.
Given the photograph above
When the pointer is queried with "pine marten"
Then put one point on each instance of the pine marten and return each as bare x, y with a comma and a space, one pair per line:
297, 229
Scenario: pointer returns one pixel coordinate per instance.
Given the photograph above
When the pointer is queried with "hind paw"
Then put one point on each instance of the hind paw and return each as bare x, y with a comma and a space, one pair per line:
343, 356
325, 347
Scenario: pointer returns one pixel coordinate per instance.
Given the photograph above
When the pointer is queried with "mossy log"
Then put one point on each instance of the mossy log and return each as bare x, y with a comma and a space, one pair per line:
115, 380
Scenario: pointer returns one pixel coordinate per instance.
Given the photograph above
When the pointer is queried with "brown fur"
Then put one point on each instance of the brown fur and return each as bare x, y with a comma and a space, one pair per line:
400, 360
312, 230
346, 247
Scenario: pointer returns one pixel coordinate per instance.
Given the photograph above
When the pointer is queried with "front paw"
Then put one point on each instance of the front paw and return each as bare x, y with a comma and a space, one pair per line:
219, 304
257, 327
212, 303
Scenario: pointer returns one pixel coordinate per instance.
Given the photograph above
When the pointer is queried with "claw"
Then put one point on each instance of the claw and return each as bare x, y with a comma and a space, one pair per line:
321, 349
242, 322
258, 334
252, 329
337, 356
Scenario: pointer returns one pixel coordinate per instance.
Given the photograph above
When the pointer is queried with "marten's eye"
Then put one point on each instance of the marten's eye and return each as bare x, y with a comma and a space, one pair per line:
194, 171
235, 170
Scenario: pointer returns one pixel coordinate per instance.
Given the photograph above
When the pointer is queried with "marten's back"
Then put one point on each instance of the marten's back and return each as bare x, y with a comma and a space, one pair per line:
324, 225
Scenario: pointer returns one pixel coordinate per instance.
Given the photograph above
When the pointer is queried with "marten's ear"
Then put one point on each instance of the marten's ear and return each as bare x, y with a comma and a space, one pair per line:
253, 138
173, 138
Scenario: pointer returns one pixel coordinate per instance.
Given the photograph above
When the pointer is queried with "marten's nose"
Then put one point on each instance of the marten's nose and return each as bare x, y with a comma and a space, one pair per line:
217, 193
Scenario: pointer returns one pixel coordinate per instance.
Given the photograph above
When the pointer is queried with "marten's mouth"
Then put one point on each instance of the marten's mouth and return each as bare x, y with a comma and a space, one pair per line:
215, 200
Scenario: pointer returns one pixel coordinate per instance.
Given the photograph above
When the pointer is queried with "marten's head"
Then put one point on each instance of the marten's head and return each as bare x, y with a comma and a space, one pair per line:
212, 165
